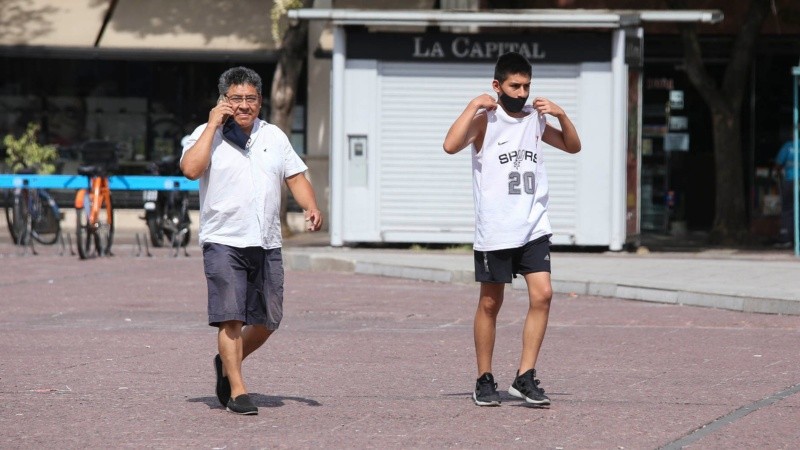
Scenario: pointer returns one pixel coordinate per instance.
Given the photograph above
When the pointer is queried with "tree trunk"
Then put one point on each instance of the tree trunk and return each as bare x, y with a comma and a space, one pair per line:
283, 93
725, 102
287, 75
729, 219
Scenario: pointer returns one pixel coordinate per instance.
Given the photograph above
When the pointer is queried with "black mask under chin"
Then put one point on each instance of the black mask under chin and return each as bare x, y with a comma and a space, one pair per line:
512, 104
233, 133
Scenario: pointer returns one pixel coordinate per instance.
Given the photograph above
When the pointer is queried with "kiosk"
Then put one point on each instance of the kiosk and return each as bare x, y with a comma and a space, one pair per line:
395, 94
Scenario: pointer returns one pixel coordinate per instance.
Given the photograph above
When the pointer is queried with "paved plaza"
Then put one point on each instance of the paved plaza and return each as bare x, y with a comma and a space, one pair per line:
115, 352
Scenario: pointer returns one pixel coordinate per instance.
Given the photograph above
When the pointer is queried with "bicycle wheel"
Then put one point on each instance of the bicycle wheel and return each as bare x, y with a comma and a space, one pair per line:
8, 205
187, 236
155, 231
177, 220
104, 231
83, 231
185, 221
20, 215
183, 231
45, 219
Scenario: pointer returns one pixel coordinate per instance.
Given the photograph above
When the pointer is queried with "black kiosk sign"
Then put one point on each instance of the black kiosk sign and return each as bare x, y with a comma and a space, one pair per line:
542, 48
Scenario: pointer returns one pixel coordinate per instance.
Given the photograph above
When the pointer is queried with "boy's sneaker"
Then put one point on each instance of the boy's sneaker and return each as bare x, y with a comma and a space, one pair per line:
486, 391
242, 405
223, 385
526, 387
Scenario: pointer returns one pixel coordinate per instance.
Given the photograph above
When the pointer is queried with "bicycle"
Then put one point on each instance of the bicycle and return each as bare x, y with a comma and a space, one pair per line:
32, 214
94, 211
167, 212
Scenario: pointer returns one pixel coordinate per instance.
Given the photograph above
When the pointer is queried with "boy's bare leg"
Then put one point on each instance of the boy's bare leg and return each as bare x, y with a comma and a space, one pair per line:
485, 325
540, 293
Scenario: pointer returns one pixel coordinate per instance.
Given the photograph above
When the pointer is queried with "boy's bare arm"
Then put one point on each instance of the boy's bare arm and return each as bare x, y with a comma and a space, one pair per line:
469, 126
565, 139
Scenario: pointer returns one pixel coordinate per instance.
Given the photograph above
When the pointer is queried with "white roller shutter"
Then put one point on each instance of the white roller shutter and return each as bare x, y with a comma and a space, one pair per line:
560, 84
422, 190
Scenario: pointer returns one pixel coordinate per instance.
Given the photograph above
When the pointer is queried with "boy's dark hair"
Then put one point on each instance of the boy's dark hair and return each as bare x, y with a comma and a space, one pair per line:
509, 64
236, 76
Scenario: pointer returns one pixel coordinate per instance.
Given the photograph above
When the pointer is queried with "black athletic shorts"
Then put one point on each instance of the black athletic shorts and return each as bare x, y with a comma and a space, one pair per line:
500, 266
244, 284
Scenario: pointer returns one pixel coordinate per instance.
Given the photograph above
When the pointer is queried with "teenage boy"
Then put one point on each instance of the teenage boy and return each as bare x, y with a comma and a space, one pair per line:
512, 229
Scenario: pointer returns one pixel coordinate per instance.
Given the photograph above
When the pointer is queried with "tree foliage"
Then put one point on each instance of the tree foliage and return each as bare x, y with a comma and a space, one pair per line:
25, 152
278, 15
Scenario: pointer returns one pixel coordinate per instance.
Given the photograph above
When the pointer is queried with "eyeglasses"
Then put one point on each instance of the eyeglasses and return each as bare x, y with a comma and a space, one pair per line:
238, 99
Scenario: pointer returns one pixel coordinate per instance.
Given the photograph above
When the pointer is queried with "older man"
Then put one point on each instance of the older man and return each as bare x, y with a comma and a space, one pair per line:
241, 162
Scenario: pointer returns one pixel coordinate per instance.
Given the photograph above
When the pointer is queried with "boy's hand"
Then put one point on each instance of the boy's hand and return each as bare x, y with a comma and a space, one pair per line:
545, 106
485, 101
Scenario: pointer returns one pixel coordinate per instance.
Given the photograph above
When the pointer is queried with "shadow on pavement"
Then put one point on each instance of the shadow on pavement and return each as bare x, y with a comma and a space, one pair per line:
260, 400
273, 401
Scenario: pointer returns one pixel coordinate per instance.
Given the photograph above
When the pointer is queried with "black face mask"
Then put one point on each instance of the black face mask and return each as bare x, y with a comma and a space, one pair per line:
233, 133
512, 104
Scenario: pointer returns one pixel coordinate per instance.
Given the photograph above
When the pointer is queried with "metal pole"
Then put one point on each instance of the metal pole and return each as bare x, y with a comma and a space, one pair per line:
619, 140
796, 79
337, 137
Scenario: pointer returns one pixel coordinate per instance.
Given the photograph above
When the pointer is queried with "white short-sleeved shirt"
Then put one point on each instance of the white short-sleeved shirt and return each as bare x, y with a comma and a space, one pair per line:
240, 191
509, 182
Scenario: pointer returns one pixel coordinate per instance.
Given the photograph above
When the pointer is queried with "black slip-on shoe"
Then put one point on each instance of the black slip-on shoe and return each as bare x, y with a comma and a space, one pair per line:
223, 385
242, 405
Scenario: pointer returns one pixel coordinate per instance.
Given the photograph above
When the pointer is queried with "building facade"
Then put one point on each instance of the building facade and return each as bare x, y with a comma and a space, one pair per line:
139, 73
143, 74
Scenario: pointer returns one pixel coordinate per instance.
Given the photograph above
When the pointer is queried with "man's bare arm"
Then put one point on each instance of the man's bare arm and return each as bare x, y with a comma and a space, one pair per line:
303, 193
195, 161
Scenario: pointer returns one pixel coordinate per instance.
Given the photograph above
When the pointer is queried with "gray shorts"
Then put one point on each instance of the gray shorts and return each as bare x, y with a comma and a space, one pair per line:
244, 284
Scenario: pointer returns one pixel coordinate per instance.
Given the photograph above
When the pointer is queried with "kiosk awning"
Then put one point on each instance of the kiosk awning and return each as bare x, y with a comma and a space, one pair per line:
523, 18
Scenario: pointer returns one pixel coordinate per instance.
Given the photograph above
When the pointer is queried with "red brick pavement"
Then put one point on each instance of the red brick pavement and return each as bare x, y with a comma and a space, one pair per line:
115, 352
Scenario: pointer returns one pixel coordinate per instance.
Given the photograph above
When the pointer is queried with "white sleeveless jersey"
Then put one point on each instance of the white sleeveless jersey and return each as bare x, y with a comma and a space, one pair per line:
509, 182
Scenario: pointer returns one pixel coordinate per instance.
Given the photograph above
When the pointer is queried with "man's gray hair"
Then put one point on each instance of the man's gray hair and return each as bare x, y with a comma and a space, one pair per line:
239, 75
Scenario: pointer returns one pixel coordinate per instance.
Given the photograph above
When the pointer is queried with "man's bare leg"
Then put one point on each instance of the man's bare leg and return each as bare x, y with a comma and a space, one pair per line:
230, 345
253, 337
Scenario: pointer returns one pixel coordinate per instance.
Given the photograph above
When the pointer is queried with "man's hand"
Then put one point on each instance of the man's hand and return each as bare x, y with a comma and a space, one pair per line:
303, 193
313, 219
220, 113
